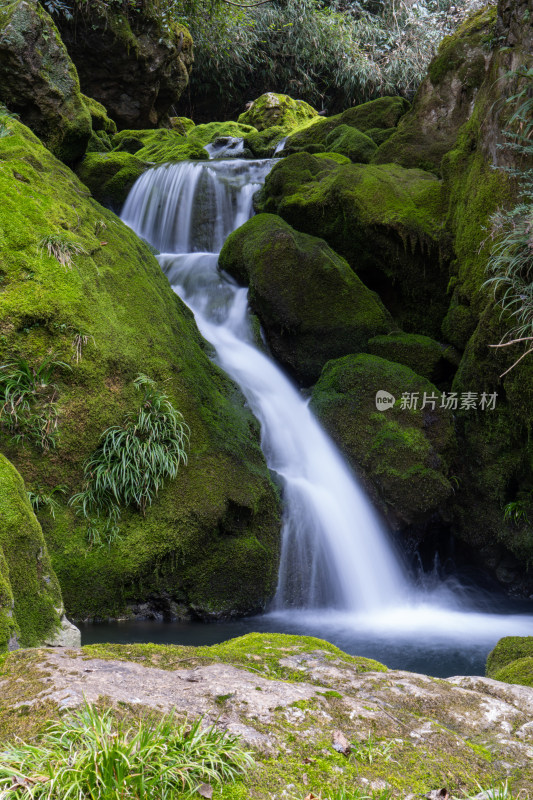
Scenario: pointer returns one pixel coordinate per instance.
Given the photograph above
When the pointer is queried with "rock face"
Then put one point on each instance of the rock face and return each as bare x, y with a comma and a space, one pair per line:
311, 304
29, 591
402, 453
128, 61
294, 700
386, 221
210, 540
39, 82
445, 100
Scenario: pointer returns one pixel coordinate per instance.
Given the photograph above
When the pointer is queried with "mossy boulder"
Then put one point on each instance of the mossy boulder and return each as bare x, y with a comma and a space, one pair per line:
352, 132
110, 175
278, 110
311, 304
160, 146
508, 650
99, 118
30, 598
423, 355
401, 453
444, 100
387, 221
210, 541
39, 82
208, 133
182, 125
262, 144
128, 60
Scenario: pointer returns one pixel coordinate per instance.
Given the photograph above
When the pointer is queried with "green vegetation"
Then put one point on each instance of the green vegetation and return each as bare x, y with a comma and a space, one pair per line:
29, 410
41, 498
326, 53
510, 266
507, 650
134, 459
61, 247
91, 755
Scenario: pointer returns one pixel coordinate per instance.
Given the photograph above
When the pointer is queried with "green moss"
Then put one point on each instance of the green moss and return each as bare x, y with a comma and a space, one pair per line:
99, 118
263, 143
443, 102
278, 110
26, 573
114, 291
402, 452
205, 134
39, 81
181, 125
423, 355
311, 304
507, 650
345, 133
161, 145
99, 143
110, 176
519, 671
388, 222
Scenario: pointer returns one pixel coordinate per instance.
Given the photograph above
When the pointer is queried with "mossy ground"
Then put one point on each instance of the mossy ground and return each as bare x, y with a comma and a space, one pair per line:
219, 517
386, 761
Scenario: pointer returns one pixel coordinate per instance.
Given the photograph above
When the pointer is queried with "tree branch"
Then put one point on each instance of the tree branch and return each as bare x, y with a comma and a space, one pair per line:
245, 5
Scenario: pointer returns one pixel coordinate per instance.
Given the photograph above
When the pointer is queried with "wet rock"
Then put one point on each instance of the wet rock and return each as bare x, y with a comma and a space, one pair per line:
39, 82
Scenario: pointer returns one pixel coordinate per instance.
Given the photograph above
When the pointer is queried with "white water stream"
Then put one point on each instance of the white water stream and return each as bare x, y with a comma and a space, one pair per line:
338, 567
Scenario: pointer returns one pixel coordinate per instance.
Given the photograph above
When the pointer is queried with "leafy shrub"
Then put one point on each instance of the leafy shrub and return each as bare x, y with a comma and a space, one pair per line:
92, 756
333, 55
29, 401
133, 460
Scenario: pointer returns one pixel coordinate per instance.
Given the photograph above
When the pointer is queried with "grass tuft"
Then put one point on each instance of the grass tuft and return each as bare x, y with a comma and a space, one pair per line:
89, 755
61, 248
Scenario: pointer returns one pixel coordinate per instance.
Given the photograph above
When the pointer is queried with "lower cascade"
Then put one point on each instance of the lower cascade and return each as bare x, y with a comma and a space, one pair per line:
338, 568
335, 553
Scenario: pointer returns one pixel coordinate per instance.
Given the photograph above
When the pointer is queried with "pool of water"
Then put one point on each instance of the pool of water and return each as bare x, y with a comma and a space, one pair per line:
439, 641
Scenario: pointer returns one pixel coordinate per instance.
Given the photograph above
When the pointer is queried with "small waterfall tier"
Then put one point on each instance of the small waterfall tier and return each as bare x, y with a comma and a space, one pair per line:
335, 553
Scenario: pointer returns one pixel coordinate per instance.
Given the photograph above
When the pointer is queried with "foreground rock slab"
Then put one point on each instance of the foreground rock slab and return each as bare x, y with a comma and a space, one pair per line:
291, 698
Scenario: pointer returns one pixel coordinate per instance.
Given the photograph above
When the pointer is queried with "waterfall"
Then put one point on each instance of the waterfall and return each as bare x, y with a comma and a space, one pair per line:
334, 554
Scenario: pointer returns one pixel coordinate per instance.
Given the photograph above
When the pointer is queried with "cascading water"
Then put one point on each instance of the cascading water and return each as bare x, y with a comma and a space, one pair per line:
339, 573
334, 551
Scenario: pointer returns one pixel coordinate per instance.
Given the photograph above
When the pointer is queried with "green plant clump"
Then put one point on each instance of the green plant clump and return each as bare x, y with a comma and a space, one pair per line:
89, 755
28, 398
134, 459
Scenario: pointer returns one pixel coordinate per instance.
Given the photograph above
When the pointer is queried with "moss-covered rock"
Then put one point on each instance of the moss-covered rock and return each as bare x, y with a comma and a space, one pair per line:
311, 304
160, 146
38, 80
278, 110
423, 355
205, 134
182, 125
110, 176
385, 220
350, 131
128, 59
443, 102
262, 144
30, 598
402, 453
507, 650
221, 509
99, 118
